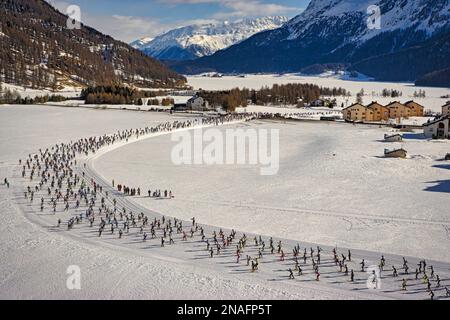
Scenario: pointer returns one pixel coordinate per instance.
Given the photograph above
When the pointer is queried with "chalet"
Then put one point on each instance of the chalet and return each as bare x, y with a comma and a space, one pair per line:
446, 109
377, 112
380, 112
197, 103
357, 112
416, 109
438, 128
398, 110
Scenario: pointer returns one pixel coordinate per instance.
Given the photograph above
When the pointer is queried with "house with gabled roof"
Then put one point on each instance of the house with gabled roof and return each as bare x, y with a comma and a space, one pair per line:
416, 108
377, 112
357, 112
398, 110
197, 103
380, 112
438, 128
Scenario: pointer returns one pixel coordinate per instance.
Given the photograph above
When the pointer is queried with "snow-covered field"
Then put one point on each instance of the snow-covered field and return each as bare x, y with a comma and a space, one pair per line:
35, 255
333, 189
372, 89
68, 91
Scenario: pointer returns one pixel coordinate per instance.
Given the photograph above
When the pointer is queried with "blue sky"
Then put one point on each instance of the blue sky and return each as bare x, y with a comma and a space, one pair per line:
128, 20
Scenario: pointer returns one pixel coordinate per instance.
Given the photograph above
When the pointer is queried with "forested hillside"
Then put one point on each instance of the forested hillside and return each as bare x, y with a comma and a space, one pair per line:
38, 50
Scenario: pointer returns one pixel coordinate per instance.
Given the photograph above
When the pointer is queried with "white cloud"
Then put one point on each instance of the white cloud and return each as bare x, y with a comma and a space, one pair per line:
125, 28
254, 8
188, 1
130, 28
239, 8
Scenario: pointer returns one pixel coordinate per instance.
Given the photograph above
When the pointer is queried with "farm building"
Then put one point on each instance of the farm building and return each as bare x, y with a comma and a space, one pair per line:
197, 103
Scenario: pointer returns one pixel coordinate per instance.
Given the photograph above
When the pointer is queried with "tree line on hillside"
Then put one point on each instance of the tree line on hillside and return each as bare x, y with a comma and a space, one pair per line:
37, 48
279, 94
13, 97
115, 94
438, 78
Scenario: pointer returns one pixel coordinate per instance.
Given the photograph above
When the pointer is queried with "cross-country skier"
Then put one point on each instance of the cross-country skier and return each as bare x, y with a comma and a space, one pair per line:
291, 274
394, 271
404, 284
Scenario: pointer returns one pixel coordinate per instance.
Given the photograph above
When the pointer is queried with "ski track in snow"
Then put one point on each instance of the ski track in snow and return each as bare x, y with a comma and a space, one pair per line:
359, 216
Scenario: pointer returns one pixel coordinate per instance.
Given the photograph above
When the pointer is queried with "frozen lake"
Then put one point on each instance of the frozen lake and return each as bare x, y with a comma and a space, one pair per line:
333, 187
372, 89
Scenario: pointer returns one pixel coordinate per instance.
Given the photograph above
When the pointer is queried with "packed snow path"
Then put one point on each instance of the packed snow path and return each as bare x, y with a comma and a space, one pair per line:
272, 272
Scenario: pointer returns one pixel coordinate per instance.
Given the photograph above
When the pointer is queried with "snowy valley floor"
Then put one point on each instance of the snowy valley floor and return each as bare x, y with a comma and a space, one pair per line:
434, 100
333, 189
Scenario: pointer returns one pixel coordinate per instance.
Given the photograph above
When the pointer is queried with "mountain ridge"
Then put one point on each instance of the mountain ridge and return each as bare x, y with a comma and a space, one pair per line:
336, 32
38, 50
194, 41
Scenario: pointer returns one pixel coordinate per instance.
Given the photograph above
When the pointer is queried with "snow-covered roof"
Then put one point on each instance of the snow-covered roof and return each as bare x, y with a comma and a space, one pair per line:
354, 105
436, 121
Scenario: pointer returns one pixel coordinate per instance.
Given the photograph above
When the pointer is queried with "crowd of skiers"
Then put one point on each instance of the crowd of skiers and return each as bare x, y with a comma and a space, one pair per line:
54, 175
128, 191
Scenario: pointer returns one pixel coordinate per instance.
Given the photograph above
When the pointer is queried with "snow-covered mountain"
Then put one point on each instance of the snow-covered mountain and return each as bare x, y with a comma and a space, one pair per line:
413, 40
140, 43
195, 41
38, 50
419, 15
